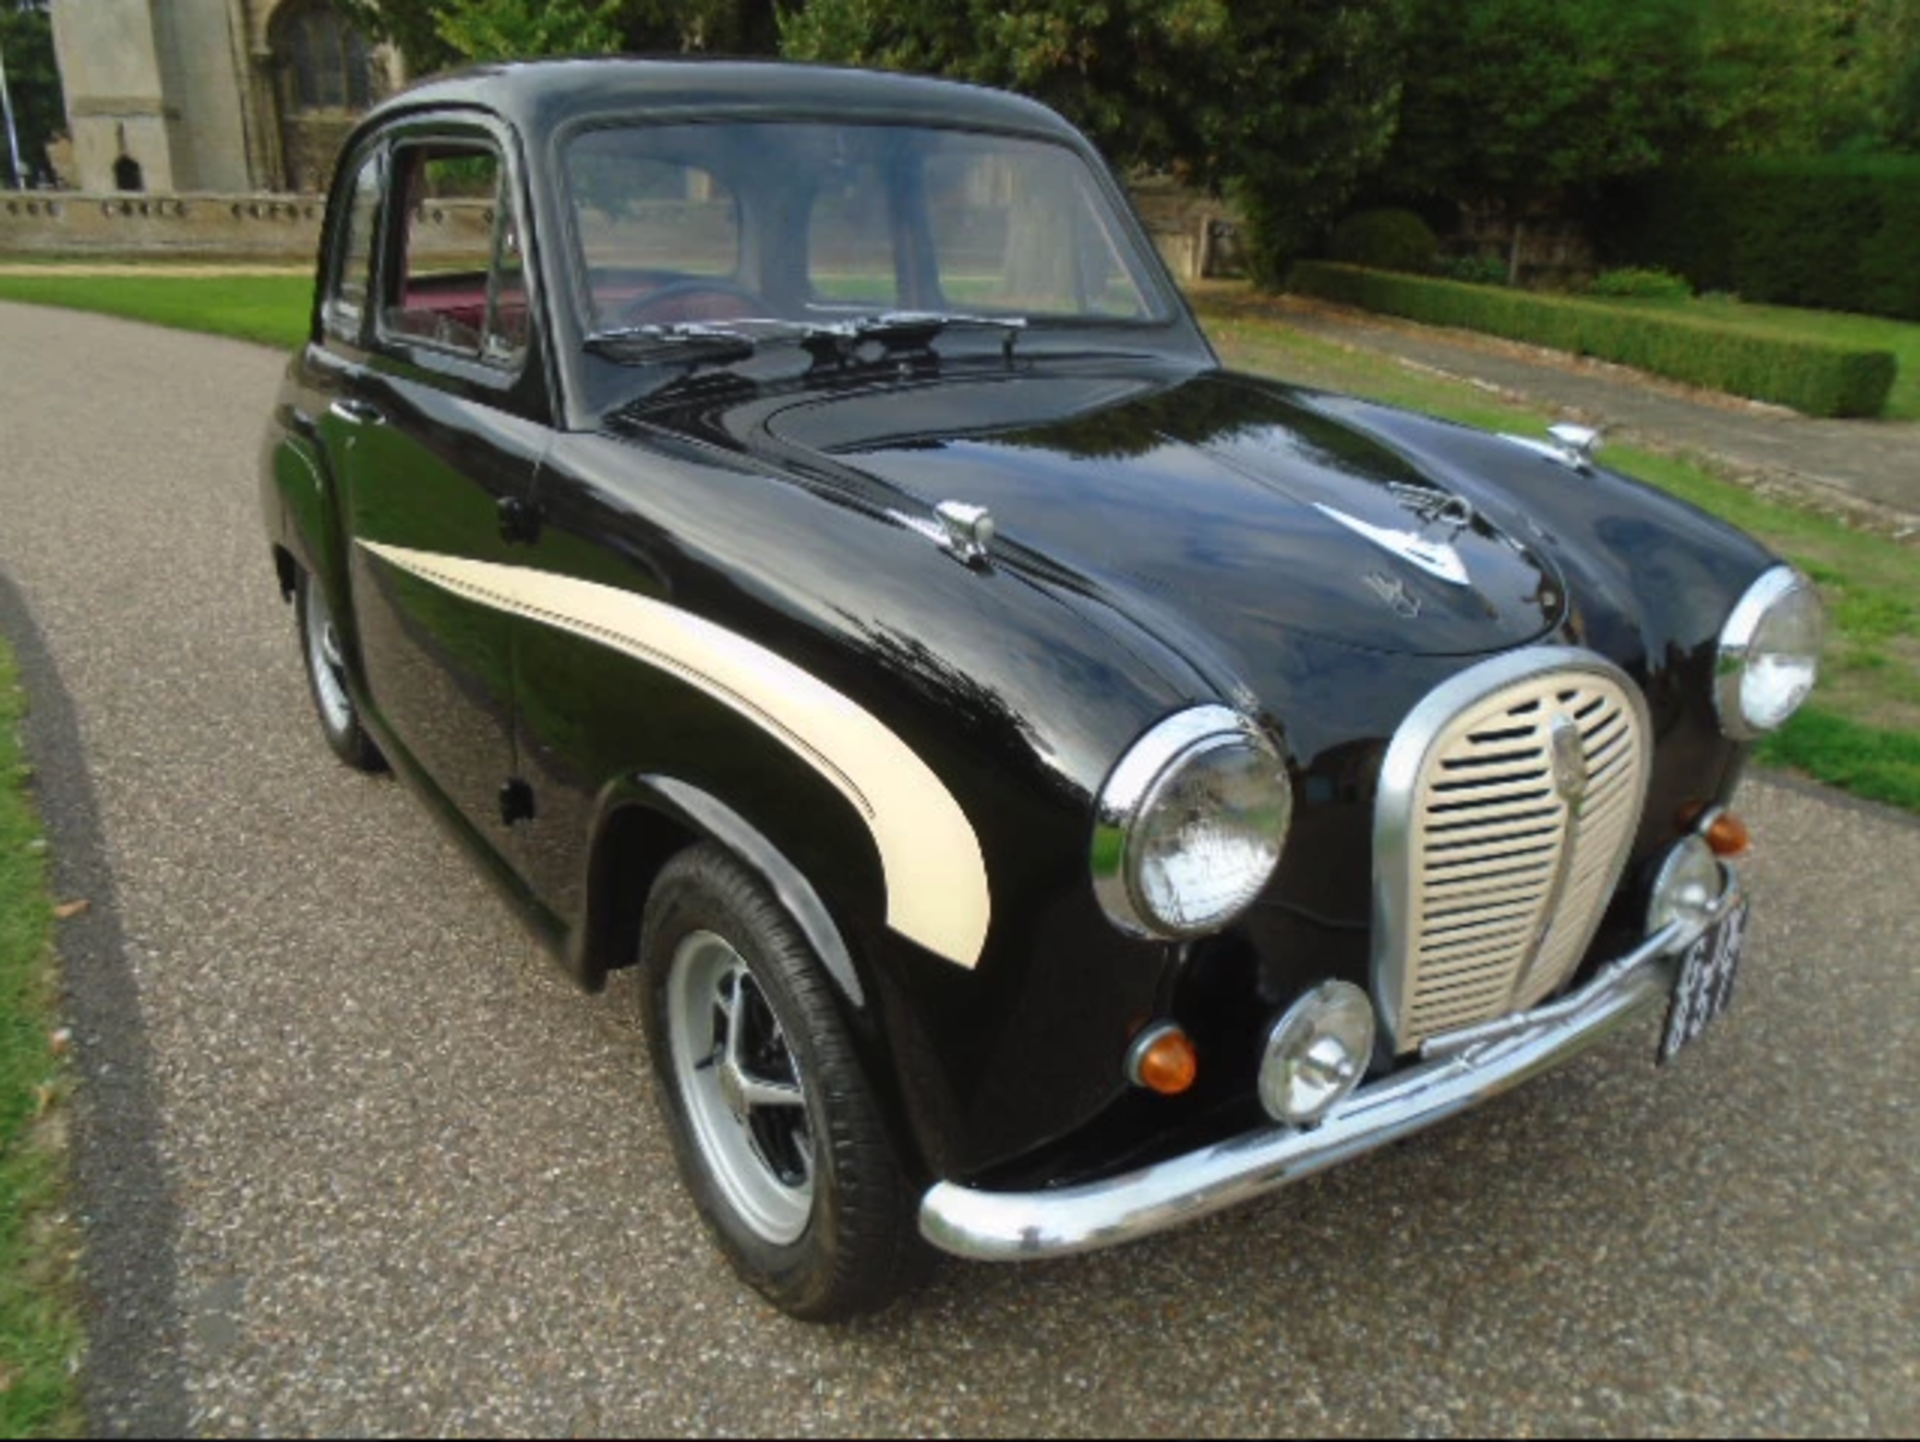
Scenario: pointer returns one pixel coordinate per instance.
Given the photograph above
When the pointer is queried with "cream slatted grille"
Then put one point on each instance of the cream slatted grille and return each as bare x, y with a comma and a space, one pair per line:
1523, 810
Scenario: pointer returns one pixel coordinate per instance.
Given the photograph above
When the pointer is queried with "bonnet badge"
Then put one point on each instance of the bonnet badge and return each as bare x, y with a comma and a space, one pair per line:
1570, 777
1396, 593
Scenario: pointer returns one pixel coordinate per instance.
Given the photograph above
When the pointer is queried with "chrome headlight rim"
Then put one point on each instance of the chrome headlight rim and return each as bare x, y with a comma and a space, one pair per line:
1299, 1081
1691, 859
1736, 649
1131, 789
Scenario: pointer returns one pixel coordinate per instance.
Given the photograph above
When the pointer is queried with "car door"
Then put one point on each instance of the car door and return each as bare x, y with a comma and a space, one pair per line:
436, 430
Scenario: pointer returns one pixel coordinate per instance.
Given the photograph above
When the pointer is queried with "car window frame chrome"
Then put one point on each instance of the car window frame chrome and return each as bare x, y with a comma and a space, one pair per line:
530, 387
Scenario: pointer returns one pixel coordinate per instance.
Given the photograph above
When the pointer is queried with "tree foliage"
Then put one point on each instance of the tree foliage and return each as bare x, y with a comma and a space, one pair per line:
1294, 105
1285, 103
33, 85
1517, 101
1806, 77
434, 34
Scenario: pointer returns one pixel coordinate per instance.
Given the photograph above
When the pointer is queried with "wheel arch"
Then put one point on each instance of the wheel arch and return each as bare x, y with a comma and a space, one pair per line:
643, 822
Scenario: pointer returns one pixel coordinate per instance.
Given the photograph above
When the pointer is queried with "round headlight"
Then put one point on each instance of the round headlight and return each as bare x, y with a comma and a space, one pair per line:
1317, 1053
1191, 824
1769, 654
1689, 886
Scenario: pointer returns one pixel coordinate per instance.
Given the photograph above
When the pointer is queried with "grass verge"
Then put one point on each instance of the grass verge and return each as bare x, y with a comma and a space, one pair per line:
1863, 735
39, 1320
270, 309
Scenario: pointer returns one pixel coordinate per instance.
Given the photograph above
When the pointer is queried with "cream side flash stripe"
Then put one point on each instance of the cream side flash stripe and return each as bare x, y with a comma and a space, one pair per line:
936, 881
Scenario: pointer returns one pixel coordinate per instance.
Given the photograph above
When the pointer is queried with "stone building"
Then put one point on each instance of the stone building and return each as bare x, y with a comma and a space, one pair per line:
178, 96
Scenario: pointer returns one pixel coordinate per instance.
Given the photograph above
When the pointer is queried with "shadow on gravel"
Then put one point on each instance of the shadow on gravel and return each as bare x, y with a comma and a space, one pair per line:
134, 1386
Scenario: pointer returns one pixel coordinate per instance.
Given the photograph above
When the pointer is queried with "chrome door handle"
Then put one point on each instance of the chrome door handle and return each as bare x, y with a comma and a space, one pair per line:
360, 413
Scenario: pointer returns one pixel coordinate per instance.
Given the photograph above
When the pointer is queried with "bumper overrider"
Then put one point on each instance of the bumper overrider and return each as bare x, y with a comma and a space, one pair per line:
1455, 1072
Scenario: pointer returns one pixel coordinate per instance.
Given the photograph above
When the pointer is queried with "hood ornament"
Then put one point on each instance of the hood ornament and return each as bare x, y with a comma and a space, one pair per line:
1435, 507
1436, 558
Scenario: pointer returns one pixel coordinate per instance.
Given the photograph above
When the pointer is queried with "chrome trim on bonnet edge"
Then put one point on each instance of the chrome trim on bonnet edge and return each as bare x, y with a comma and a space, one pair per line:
1471, 1067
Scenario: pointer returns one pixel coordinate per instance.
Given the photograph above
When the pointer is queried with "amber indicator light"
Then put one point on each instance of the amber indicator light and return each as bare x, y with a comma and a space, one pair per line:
1728, 836
1165, 1061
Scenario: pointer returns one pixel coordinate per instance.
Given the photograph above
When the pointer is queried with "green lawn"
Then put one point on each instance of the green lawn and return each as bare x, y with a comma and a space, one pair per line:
39, 1324
1862, 734
270, 309
1900, 337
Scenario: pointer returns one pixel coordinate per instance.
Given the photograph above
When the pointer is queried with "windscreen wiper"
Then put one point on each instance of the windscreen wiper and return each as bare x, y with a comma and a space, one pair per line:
910, 330
721, 343
647, 344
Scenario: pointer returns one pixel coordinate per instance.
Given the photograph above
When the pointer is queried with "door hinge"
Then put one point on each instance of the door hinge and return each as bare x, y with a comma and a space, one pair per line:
520, 521
516, 802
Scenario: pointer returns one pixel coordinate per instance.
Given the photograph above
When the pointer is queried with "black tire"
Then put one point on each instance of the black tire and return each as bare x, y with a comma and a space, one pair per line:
807, 1198
327, 682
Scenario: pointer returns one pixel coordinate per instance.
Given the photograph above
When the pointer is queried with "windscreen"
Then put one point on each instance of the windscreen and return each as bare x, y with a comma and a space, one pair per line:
680, 224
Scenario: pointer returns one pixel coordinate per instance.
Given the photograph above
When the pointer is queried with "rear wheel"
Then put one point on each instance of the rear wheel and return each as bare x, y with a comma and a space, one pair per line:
775, 1127
327, 679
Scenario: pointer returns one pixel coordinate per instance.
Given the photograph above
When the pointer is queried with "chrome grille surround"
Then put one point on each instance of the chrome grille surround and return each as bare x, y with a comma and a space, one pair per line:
1507, 808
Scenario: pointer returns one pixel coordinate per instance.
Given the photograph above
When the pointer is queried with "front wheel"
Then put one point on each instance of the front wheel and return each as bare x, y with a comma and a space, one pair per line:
327, 679
774, 1124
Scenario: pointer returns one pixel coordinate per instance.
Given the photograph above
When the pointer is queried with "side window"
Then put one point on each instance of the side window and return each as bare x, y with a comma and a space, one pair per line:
346, 303
850, 239
458, 282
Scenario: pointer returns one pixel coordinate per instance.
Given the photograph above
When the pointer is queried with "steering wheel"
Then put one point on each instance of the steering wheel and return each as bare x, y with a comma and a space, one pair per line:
734, 302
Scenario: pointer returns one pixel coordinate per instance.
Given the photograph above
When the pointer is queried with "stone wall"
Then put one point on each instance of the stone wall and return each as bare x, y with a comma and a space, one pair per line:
1555, 252
256, 227
310, 144
1196, 234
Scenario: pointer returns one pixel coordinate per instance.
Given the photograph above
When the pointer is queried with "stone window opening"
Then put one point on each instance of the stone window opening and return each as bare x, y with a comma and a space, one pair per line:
127, 174
327, 64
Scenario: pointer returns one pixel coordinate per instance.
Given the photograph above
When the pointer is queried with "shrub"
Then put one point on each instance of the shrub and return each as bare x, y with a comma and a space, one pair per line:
1638, 283
1385, 240
1477, 270
1839, 233
1817, 377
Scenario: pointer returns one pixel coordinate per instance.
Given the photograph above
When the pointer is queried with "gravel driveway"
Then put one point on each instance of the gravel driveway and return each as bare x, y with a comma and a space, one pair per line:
356, 1159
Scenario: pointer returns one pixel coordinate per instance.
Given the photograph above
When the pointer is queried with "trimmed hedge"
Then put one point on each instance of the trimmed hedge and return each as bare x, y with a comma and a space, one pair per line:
1837, 234
1817, 377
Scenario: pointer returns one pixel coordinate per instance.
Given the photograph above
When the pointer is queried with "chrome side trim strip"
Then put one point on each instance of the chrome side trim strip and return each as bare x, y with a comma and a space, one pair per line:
1464, 1069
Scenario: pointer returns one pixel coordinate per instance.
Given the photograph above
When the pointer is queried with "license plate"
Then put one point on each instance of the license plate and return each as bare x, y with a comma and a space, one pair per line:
1705, 990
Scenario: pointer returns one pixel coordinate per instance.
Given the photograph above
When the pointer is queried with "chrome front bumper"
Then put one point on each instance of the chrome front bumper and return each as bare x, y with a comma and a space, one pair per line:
1454, 1072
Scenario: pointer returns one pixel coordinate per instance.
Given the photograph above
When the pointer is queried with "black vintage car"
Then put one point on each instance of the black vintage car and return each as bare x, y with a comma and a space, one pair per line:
789, 525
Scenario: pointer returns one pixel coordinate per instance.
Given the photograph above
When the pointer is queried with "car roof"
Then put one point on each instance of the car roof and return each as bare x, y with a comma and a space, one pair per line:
540, 96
